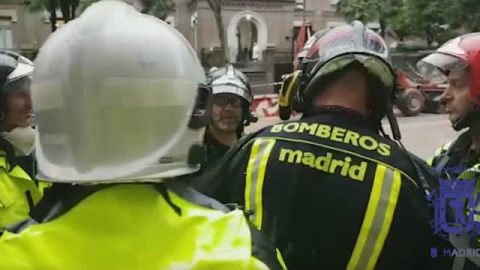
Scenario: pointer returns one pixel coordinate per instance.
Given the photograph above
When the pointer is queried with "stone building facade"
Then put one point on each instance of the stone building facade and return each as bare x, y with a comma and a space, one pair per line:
271, 26
260, 34
20, 30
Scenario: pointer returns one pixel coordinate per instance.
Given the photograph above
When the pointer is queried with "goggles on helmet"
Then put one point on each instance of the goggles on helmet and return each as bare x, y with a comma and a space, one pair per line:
436, 66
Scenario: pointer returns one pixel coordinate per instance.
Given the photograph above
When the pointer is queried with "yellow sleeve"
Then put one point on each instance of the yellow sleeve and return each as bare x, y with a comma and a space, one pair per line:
17, 194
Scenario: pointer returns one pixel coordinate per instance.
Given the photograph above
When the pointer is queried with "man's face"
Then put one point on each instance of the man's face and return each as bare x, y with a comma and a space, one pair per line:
19, 106
456, 97
227, 112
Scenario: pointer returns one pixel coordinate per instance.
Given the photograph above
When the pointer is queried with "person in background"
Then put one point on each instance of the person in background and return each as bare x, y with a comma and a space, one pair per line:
231, 111
117, 202
458, 63
18, 192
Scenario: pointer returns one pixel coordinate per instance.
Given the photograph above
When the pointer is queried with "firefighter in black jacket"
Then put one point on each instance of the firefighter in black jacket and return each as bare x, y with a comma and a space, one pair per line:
458, 63
328, 189
231, 113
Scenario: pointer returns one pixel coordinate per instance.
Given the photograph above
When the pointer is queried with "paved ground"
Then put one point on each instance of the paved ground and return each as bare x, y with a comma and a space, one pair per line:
421, 134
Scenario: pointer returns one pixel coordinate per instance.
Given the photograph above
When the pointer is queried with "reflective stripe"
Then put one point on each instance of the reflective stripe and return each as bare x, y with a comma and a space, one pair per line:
257, 164
430, 162
472, 174
447, 145
378, 218
442, 149
439, 151
280, 259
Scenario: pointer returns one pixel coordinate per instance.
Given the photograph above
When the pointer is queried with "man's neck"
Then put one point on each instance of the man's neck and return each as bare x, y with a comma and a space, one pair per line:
349, 92
475, 135
224, 137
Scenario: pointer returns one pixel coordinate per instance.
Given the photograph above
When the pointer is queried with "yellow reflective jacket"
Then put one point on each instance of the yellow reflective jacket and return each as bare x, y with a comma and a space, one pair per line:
447, 163
447, 166
18, 193
134, 226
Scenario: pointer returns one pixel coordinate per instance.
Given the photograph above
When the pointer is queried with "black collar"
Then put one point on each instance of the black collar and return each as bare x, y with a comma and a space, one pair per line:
461, 145
460, 151
212, 142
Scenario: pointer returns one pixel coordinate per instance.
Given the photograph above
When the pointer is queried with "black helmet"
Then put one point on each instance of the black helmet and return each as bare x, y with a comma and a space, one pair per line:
341, 46
306, 48
330, 53
14, 71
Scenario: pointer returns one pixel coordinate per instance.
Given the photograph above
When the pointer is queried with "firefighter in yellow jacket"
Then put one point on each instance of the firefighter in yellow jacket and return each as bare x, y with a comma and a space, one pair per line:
121, 114
18, 192
458, 62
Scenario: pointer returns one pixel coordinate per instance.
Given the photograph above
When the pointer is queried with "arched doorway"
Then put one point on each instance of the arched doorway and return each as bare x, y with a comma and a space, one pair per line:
247, 41
247, 30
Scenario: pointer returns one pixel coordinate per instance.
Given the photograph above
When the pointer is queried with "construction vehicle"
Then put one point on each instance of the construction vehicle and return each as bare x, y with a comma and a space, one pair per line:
420, 96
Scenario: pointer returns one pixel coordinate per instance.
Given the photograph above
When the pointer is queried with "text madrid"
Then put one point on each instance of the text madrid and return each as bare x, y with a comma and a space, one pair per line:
461, 252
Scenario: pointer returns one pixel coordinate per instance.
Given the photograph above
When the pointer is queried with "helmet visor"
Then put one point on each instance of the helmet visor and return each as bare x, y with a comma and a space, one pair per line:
232, 89
19, 85
22, 70
435, 67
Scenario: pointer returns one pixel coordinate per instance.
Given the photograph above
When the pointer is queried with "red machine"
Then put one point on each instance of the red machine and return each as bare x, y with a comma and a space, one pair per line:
417, 97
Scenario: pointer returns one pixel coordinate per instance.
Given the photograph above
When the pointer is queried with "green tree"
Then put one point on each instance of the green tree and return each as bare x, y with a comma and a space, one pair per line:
432, 20
157, 8
429, 19
367, 11
362, 10
402, 25
466, 14
71, 8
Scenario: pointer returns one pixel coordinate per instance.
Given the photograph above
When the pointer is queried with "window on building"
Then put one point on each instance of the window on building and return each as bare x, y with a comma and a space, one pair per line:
299, 5
6, 35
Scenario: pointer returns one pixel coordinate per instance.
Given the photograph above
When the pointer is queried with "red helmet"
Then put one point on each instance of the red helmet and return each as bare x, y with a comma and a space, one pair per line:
457, 54
306, 48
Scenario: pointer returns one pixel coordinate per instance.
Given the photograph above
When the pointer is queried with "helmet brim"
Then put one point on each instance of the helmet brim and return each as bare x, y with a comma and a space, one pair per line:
22, 84
436, 66
232, 89
22, 70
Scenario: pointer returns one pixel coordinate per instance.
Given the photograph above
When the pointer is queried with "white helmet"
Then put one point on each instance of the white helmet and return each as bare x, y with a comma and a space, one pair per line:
117, 99
14, 69
230, 80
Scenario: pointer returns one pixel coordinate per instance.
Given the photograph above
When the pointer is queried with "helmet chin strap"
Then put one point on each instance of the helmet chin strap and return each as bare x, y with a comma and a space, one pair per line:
468, 119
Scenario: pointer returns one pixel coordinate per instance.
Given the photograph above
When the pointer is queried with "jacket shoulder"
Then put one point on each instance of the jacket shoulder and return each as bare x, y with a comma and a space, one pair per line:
135, 210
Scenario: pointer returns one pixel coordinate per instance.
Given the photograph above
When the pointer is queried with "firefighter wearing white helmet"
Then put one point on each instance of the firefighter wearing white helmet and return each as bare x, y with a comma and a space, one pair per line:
231, 110
121, 114
18, 192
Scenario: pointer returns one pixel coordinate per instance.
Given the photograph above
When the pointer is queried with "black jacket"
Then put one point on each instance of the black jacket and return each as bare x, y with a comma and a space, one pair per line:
331, 193
215, 150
